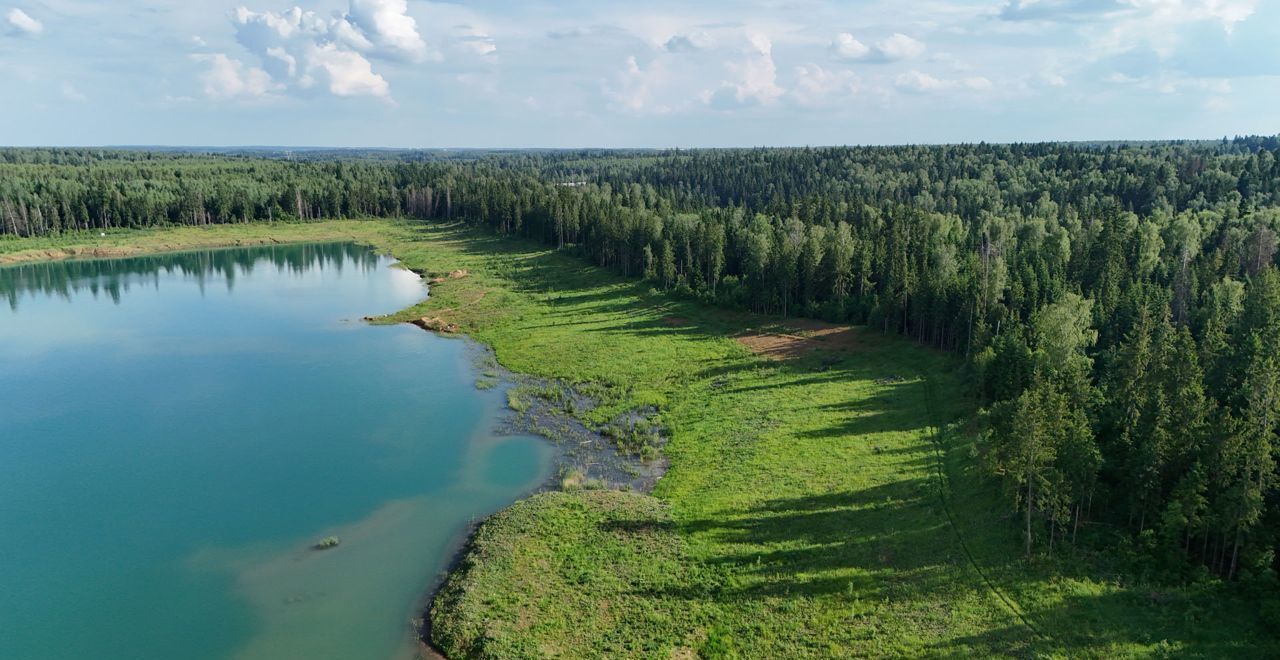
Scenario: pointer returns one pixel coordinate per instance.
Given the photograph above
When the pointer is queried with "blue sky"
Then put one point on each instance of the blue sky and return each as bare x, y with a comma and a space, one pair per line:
490, 73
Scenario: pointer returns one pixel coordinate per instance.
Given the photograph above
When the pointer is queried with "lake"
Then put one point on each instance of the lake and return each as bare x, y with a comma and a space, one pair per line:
177, 430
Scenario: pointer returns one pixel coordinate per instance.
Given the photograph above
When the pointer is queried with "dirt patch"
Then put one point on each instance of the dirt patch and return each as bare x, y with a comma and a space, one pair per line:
675, 321
777, 347
453, 275
800, 337
436, 324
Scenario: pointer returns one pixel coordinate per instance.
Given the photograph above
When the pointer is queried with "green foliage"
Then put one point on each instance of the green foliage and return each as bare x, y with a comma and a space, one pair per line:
517, 400
1120, 304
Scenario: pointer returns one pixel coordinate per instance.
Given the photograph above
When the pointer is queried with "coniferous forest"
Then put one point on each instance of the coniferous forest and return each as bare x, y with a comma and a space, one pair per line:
1117, 305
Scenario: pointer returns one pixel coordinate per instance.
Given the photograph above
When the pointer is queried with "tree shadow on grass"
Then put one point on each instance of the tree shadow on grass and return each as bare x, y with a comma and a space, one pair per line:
1127, 623
891, 544
886, 541
873, 539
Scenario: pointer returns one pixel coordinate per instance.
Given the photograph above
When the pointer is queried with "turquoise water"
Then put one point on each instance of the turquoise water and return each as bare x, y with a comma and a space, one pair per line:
176, 430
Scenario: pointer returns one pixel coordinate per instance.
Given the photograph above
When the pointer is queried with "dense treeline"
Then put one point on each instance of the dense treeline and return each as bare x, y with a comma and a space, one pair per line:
1119, 304
115, 277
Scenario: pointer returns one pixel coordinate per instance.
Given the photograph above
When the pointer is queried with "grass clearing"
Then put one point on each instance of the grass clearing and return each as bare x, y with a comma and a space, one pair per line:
820, 502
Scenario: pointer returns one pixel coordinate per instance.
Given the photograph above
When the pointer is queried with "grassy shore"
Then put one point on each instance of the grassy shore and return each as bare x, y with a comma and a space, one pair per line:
821, 502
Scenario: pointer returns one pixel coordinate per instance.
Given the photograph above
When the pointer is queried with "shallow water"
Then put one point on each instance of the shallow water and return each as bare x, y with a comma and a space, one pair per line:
176, 430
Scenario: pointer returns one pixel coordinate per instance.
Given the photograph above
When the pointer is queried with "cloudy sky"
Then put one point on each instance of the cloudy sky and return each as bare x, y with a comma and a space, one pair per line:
659, 73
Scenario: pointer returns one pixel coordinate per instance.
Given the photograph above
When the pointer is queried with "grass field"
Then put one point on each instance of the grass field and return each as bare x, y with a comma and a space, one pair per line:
820, 502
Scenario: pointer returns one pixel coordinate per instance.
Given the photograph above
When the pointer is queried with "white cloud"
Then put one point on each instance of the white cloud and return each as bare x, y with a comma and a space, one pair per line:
976, 83
688, 42
70, 93
304, 50
918, 82
818, 87
388, 24
633, 90
1159, 24
1172, 83
281, 40
900, 47
1116, 26
845, 47
1226, 12
476, 41
688, 61
228, 78
283, 57
348, 72
896, 47
1053, 79
1060, 10
756, 77
21, 22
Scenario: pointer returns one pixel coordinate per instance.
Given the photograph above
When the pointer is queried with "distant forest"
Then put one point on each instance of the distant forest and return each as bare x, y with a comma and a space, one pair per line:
1118, 306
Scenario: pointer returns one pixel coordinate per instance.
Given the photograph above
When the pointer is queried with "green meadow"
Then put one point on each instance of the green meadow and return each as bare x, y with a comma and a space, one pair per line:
820, 502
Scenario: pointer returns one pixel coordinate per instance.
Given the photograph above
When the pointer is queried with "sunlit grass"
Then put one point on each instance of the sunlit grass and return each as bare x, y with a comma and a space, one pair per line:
823, 506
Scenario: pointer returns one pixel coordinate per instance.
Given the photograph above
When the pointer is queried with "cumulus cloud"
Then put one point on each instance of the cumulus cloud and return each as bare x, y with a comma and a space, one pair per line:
389, 26
918, 82
1226, 12
845, 47
900, 47
21, 22
634, 89
228, 78
818, 87
756, 77
1062, 10
896, 47
1116, 26
1164, 25
305, 50
691, 42
348, 73
70, 93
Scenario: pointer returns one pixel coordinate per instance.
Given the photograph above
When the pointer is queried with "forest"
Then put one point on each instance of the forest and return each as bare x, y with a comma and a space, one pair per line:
1117, 305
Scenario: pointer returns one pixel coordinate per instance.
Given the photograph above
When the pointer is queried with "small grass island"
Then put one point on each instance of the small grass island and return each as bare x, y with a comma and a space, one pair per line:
326, 543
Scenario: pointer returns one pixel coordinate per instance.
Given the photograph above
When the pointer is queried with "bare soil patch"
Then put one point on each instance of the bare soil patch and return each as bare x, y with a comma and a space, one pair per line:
436, 324
453, 275
800, 337
675, 321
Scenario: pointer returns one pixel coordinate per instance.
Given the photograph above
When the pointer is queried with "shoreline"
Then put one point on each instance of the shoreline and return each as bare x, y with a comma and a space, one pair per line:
613, 466
127, 243
585, 458
804, 463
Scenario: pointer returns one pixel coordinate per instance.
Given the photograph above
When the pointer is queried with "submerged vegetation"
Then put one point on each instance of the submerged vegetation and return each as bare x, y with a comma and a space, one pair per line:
326, 543
1070, 448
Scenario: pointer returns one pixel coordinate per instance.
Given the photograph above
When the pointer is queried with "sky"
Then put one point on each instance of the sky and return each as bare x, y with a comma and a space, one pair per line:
614, 73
